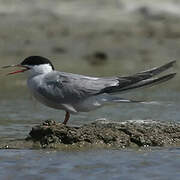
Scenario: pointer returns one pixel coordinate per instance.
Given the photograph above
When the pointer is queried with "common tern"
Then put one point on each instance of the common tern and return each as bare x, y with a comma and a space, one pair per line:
75, 93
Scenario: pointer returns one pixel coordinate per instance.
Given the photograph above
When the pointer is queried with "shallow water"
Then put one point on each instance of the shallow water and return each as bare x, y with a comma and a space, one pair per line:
161, 164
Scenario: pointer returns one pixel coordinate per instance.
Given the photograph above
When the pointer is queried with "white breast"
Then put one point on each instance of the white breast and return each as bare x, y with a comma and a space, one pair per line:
37, 81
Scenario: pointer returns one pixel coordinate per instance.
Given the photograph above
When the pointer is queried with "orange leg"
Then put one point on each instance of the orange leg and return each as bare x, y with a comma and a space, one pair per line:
67, 116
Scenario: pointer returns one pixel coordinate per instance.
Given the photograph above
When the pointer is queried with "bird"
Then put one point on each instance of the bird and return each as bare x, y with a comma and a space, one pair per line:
76, 93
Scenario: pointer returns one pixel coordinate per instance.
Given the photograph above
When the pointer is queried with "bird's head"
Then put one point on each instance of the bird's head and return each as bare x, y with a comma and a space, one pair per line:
33, 65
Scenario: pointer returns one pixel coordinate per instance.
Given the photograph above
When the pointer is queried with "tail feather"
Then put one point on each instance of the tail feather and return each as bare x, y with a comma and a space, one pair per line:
158, 70
144, 75
140, 79
114, 99
149, 82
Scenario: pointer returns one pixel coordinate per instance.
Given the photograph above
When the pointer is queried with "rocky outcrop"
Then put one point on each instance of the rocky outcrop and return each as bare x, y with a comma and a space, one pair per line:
106, 134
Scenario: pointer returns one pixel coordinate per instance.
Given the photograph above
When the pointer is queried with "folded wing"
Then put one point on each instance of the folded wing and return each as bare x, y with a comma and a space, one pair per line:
66, 87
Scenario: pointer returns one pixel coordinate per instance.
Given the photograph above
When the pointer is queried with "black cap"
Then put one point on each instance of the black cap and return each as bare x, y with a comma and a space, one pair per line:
36, 60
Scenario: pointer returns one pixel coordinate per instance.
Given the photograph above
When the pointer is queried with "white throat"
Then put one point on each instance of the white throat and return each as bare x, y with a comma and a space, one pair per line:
39, 69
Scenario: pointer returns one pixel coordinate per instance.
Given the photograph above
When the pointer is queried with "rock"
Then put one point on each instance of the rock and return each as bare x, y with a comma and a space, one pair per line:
106, 134
59, 50
97, 58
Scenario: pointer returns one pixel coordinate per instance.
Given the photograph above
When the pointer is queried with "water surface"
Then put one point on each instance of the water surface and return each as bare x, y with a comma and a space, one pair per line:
161, 164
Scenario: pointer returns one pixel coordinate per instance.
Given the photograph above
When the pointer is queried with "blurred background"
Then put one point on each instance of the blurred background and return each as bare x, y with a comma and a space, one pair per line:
92, 37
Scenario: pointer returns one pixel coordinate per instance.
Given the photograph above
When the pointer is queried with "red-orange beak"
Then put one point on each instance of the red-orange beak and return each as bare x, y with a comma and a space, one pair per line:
18, 71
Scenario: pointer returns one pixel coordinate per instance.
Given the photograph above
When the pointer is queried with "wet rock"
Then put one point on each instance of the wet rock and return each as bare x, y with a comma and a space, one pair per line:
97, 58
107, 134
149, 14
27, 42
59, 50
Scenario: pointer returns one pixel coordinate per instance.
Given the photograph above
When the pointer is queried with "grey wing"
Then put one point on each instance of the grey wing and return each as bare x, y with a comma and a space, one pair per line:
68, 88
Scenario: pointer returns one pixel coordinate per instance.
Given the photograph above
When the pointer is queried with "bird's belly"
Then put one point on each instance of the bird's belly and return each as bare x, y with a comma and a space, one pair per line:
70, 105
89, 104
84, 106
51, 103
46, 101
42, 99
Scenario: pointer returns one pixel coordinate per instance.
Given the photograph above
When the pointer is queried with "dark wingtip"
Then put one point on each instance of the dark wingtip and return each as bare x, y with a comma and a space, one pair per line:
172, 75
171, 63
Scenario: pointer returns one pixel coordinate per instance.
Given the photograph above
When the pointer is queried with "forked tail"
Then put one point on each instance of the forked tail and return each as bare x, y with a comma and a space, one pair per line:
142, 79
